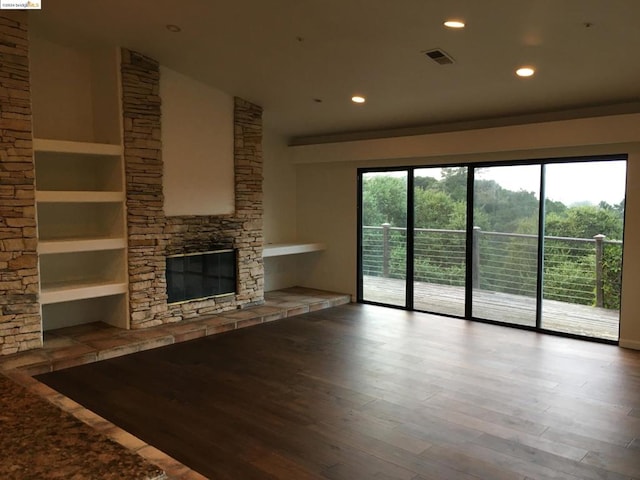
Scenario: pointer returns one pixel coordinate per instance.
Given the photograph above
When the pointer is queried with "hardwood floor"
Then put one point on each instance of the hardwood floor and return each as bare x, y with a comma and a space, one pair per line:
365, 392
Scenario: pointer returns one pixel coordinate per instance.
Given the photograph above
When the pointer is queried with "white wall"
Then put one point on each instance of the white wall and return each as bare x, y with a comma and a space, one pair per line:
197, 147
327, 188
630, 307
327, 199
60, 91
279, 187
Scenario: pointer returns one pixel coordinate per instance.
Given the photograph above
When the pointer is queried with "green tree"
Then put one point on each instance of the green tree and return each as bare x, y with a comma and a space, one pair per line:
612, 275
433, 209
454, 182
459, 216
585, 221
504, 209
425, 183
384, 200
553, 206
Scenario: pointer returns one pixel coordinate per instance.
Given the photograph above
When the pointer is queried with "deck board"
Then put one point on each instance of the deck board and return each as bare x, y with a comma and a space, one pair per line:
517, 309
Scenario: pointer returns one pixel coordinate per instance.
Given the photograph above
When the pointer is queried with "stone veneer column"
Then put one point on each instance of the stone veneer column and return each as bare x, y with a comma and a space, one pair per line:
20, 323
248, 178
145, 200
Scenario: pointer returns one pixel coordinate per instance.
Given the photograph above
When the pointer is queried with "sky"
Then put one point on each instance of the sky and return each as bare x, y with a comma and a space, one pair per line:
568, 183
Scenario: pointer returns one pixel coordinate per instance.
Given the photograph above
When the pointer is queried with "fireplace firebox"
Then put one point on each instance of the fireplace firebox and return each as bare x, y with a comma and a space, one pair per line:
201, 275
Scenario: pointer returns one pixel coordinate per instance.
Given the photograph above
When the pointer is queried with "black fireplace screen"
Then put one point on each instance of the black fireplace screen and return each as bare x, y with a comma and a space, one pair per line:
201, 275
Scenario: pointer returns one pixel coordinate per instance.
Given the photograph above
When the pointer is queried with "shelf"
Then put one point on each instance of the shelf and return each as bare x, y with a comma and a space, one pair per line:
280, 249
110, 309
59, 221
75, 172
79, 197
85, 245
65, 292
63, 146
70, 270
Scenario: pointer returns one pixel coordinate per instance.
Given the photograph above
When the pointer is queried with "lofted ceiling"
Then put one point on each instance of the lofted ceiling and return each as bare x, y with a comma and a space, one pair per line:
302, 60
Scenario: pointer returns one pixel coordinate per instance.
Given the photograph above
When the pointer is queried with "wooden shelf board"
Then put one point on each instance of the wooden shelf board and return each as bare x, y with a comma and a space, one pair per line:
63, 146
52, 196
280, 249
71, 245
65, 292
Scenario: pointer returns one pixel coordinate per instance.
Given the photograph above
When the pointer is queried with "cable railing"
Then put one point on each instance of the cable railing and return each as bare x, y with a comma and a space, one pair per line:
576, 270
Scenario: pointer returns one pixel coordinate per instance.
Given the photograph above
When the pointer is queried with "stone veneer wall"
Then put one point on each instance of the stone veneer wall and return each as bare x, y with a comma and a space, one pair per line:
20, 324
153, 236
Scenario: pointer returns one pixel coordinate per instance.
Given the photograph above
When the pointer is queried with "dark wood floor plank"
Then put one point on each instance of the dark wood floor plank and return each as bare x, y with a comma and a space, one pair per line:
514, 422
379, 448
520, 467
449, 412
548, 460
363, 392
588, 443
626, 465
459, 460
360, 423
281, 467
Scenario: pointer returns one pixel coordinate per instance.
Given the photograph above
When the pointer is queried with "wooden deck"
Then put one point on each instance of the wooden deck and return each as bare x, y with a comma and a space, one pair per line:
517, 309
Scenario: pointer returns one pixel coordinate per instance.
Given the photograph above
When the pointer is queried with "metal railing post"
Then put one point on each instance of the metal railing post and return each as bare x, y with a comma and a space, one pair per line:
385, 249
475, 252
599, 261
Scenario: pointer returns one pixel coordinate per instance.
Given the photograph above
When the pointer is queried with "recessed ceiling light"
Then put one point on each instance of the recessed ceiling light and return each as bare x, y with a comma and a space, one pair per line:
525, 71
173, 28
454, 24
358, 99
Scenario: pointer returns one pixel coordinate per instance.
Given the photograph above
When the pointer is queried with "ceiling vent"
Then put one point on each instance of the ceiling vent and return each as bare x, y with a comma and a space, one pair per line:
439, 56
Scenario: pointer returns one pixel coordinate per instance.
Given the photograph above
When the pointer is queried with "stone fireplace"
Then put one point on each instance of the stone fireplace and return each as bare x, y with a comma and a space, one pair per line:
154, 236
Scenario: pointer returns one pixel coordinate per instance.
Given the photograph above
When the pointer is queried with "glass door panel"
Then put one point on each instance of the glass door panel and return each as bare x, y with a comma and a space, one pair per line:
505, 243
384, 237
439, 258
583, 248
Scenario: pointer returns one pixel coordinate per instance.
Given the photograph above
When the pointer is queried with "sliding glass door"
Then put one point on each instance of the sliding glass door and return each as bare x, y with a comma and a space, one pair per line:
383, 237
439, 240
583, 248
505, 243
531, 244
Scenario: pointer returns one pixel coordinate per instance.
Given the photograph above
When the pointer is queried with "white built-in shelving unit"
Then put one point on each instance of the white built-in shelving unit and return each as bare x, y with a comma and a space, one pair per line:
80, 189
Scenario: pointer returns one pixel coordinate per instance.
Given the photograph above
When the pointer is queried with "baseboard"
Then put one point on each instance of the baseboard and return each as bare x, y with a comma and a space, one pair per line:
633, 344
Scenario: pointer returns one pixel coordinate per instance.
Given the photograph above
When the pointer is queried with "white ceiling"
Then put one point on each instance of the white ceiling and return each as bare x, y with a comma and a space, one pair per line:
283, 54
